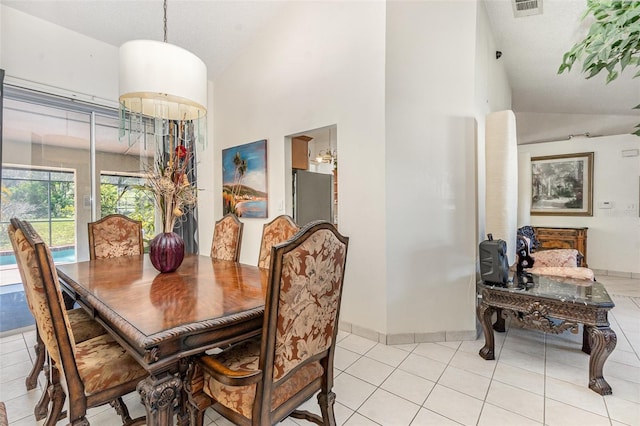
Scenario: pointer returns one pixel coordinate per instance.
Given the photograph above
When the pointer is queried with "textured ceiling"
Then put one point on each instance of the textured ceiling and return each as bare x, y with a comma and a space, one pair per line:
532, 47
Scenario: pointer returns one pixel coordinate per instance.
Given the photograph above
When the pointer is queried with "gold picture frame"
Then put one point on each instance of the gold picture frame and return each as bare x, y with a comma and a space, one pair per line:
562, 185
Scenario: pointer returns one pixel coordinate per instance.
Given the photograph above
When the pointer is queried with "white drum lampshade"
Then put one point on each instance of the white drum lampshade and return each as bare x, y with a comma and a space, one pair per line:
501, 158
161, 80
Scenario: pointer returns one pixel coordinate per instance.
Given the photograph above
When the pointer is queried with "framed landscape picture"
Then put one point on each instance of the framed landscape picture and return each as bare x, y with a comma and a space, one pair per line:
244, 180
562, 185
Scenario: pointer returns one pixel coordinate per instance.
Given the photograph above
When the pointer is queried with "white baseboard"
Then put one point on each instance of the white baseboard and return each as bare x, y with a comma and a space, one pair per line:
620, 274
406, 338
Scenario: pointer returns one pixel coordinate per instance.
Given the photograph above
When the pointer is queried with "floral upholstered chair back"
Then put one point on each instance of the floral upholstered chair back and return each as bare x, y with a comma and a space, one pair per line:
227, 237
36, 265
114, 236
306, 288
275, 232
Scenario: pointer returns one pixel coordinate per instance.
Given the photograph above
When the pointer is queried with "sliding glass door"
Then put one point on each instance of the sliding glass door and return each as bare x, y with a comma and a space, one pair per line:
62, 167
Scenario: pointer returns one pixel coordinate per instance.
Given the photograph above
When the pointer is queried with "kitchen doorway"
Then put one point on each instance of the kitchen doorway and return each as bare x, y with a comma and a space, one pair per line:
314, 172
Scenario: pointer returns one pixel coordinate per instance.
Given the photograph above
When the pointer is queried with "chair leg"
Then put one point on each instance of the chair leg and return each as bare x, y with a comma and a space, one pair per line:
326, 401
32, 379
82, 421
196, 416
196, 401
122, 410
57, 397
42, 406
306, 415
197, 405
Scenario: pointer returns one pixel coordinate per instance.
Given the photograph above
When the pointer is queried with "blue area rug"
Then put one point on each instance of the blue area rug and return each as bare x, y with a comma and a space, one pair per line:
14, 312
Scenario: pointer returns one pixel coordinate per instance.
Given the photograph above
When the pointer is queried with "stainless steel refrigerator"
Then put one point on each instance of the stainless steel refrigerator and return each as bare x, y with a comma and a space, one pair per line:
312, 196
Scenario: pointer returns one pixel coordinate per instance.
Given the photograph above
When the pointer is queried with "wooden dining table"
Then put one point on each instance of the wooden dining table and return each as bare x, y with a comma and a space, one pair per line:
163, 319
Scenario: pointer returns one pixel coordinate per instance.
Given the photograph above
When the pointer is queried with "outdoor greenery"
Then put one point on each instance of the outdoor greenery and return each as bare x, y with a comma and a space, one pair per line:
30, 197
613, 41
33, 193
37, 195
129, 201
63, 233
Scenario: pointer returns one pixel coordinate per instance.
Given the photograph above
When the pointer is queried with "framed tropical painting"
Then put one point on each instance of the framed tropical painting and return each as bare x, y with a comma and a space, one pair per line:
244, 180
562, 185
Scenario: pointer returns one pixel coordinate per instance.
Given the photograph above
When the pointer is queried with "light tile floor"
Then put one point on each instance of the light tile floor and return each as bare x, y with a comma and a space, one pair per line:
537, 379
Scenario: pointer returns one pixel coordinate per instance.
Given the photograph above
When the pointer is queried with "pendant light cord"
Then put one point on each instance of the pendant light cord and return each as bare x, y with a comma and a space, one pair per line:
165, 21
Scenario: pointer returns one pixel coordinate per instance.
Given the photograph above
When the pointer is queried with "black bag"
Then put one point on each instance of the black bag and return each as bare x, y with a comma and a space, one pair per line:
494, 266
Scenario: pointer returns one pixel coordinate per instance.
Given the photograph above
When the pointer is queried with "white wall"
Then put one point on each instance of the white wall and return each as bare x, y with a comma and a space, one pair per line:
613, 239
441, 81
39, 52
318, 64
430, 166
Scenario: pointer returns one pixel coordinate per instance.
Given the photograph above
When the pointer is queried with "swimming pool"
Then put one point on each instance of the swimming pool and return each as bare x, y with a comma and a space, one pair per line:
60, 255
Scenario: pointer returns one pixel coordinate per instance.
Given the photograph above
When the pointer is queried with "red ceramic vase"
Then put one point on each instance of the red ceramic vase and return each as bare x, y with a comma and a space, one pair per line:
166, 251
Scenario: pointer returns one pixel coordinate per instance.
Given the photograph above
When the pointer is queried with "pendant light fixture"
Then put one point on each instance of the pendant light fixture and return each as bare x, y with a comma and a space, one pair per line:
160, 81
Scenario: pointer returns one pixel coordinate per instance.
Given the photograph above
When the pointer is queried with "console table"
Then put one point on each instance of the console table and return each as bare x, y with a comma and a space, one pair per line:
556, 237
552, 305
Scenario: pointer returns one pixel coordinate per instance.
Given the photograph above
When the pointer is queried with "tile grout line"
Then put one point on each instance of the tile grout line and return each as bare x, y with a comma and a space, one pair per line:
448, 364
360, 356
625, 335
493, 373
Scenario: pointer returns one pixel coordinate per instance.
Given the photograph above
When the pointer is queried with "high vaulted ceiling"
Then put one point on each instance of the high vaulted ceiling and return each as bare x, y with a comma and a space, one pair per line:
532, 47
551, 106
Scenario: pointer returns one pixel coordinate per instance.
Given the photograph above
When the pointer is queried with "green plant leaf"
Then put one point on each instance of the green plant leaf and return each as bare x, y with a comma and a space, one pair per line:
612, 41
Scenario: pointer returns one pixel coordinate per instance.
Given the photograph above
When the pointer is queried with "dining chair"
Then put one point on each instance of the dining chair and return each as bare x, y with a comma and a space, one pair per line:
275, 232
115, 235
263, 380
82, 326
227, 237
96, 371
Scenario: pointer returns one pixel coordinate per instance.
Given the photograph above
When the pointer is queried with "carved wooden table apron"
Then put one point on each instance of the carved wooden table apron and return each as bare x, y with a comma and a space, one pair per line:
553, 305
163, 319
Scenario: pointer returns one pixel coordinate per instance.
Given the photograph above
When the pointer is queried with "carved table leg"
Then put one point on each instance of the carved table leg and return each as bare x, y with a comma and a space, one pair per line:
586, 346
499, 324
485, 312
602, 340
159, 395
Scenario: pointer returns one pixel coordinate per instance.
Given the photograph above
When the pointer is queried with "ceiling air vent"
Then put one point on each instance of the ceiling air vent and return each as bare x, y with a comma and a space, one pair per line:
526, 7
